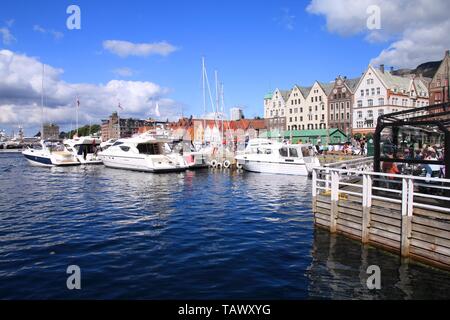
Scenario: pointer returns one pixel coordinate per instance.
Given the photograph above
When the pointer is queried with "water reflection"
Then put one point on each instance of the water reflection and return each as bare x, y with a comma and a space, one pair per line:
339, 271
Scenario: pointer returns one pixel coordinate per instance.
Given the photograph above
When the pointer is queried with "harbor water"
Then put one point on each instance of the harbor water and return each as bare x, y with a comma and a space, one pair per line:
194, 235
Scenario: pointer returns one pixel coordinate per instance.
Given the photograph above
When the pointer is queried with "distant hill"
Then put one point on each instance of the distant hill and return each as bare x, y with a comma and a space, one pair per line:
427, 69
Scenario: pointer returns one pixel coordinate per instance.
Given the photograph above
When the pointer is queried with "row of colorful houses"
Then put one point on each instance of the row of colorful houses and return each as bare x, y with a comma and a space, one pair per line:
353, 105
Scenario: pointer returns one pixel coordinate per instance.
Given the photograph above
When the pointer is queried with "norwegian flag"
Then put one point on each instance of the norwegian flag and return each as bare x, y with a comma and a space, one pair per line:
78, 102
120, 107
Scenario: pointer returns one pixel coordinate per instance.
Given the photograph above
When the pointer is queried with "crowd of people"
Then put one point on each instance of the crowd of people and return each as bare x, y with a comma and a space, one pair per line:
426, 153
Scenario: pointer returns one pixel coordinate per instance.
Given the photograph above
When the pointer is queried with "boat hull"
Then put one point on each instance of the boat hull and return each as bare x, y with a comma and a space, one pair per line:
38, 161
138, 164
297, 169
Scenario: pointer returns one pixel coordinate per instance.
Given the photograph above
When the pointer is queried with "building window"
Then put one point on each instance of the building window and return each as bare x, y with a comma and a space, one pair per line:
369, 114
370, 102
380, 112
360, 103
362, 93
348, 104
332, 106
373, 91
378, 91
360, 115
331, 117
381, 101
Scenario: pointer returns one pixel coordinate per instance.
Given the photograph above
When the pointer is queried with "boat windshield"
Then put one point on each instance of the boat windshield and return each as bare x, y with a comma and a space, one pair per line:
149, 148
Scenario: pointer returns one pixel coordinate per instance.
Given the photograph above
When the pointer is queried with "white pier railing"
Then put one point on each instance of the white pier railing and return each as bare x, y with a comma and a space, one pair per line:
406, 213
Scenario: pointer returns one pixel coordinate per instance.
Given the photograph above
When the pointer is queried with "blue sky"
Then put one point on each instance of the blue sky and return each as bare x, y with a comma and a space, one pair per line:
255, 45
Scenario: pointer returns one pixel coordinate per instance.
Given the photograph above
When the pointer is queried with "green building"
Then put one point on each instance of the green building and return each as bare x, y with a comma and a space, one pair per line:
325, 136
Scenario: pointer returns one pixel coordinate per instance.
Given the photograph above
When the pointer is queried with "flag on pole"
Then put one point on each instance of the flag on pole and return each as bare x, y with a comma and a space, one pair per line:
157, 110
120, 107
78, 102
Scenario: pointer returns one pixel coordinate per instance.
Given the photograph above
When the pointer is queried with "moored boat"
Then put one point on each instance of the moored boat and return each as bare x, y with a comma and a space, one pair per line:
266, 156
148, 154
85, 149
49, 153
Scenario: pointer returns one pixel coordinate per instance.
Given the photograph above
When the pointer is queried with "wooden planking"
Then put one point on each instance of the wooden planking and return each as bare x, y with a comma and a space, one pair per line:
322, 222
350, 224
384, 242
430, 235
429, 256
349, 217
388, 221
385, 234
386, 205
323, 205
349, 231
385, 227
430, 231
353, 212
431, 214
323, 211
323, 216
433, 223
430, 247
431, 239
389, 213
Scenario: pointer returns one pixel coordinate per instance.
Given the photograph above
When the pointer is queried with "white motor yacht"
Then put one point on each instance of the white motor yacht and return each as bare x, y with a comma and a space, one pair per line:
148, 154
266, 156
85, 149
49, 153
195, 159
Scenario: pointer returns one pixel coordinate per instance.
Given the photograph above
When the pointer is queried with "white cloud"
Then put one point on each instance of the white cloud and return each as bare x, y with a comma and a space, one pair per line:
125, 48
20, 95
286, 20
416, 29
57, 35
7, 36
124, 72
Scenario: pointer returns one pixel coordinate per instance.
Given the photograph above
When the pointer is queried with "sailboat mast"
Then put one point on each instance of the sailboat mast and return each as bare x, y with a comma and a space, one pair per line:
42, 102
204, 97
76, 107
222, 103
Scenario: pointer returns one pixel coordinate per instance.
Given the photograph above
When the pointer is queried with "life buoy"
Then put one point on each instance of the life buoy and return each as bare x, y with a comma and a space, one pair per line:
226, 164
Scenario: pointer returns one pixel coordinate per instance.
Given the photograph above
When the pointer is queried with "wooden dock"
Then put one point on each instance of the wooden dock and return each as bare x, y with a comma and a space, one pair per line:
403, 214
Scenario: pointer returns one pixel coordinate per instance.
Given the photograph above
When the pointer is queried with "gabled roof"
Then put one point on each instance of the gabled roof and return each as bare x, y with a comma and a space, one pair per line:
327, 87
304, 90
285, 94
352, 84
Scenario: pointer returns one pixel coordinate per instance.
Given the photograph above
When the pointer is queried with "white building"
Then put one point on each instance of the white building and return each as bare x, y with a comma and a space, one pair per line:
296, 105
275, 104
236, 114
380, 92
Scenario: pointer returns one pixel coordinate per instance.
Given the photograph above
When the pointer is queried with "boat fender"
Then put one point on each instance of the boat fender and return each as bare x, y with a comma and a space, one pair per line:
219, 165
238, 165
213, 163
226, 164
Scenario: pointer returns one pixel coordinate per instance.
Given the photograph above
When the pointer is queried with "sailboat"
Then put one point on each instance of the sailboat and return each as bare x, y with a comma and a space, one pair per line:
48, 153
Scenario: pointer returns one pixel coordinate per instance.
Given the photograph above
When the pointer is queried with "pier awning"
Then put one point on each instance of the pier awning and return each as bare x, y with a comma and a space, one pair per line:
414, 141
